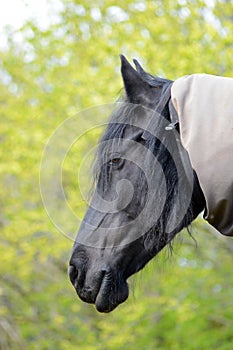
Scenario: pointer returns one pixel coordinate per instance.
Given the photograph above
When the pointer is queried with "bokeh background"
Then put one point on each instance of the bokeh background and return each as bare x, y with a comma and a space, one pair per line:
63, 58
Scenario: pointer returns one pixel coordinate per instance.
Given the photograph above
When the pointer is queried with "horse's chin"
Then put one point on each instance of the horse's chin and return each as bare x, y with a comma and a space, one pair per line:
109, 298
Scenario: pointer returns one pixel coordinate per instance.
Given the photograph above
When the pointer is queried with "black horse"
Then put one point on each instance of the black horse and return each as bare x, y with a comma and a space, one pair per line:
146, 192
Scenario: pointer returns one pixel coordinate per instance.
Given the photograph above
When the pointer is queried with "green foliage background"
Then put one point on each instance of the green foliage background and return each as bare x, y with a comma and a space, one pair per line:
47, 75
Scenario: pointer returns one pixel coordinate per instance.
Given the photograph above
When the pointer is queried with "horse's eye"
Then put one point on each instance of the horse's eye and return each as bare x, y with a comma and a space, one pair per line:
116, 163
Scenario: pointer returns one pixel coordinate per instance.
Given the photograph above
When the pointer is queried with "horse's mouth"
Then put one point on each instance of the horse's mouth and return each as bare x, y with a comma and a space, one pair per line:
111, 294
107, 292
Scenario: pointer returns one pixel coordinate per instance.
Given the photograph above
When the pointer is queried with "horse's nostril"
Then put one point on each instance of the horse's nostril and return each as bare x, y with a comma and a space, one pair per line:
73, 273
87, 291
106, 270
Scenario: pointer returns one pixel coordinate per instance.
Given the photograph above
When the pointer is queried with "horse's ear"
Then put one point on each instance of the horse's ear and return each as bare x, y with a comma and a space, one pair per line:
150, 79
136, 88
139, 68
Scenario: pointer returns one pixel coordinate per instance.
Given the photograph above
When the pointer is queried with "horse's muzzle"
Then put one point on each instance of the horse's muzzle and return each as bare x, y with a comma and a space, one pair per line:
103, 289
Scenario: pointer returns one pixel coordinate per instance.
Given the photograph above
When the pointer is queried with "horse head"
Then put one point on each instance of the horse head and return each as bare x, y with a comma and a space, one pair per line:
144, 194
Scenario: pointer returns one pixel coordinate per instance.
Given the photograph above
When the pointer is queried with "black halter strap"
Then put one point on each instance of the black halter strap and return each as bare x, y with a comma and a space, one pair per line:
164, 101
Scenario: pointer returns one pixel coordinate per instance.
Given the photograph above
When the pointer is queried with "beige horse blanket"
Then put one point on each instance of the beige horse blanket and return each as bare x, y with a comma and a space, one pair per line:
204, 104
